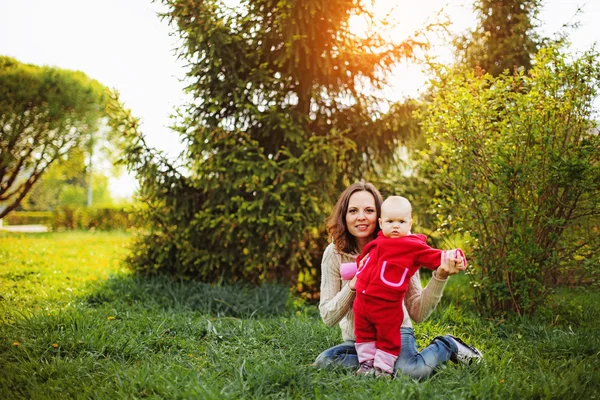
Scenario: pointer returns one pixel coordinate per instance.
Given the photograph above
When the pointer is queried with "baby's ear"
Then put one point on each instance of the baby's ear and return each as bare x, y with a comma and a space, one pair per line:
380, 223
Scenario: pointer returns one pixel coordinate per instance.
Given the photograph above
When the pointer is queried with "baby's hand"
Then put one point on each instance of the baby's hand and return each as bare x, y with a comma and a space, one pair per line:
458, 257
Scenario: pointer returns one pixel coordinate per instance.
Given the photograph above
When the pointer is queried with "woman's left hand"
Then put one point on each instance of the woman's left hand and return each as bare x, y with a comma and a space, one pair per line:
352, 283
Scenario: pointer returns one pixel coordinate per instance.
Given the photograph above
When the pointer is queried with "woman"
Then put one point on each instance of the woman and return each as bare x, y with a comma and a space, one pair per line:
352, 224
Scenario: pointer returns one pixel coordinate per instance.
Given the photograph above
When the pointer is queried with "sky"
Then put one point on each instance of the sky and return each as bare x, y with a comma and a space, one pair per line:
124, 45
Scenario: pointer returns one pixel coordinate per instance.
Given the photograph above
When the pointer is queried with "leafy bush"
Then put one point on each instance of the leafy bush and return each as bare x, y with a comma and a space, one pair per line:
105, 219
515, 159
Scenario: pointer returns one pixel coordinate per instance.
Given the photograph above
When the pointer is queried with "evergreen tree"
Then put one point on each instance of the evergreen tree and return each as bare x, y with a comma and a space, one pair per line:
505, 37
281, 120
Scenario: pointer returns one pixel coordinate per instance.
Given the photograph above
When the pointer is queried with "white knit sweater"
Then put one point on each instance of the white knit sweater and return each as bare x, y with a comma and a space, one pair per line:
337, 298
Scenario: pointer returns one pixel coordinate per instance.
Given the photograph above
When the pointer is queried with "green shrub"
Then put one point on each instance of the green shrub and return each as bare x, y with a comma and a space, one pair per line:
516, 163
104, 219
28, 218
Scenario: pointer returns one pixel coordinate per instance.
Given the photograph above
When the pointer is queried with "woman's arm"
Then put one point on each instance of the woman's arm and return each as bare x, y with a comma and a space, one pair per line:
336, 299
420, 302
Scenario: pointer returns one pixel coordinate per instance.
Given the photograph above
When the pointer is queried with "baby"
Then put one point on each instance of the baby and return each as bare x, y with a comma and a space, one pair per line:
389, 262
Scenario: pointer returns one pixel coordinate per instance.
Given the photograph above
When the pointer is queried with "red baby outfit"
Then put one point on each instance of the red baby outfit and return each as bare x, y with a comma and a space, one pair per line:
380, 288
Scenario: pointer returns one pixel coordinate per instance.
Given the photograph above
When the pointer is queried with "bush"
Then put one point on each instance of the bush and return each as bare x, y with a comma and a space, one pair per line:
28, 218
515, 159
105, 219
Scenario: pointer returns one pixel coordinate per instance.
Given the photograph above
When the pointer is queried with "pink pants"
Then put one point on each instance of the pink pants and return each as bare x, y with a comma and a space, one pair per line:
377, 328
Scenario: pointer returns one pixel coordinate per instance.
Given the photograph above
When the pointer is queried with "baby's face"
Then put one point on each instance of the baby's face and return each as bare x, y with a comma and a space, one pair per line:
395, 221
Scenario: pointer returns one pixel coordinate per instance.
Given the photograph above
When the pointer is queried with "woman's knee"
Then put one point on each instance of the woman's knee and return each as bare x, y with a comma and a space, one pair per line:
324, 360
343, 355
417, 371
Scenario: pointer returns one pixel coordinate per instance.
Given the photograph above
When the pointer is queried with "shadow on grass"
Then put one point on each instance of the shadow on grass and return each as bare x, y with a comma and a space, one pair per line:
167, 294
153, 336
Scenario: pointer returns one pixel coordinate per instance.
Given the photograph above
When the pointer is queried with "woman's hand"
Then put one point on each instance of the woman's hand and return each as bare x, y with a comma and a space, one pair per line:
352, 283
451, 265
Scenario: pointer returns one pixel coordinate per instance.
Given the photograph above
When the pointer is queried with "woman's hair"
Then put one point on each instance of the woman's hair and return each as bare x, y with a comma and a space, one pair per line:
336, 222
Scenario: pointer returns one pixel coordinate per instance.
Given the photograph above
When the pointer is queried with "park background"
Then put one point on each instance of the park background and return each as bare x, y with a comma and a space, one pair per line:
86, 314
125, 46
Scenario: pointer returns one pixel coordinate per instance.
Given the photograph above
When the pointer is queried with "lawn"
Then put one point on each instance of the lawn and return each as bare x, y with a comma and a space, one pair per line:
74, 323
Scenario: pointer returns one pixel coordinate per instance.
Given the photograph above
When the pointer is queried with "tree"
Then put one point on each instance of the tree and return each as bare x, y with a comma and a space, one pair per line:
505, 37
65, 184
280, 121
516, 162
63, 173
44, 113
295, 63
67, 180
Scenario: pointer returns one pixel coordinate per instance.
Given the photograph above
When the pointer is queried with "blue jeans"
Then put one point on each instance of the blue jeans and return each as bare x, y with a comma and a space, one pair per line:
410, 362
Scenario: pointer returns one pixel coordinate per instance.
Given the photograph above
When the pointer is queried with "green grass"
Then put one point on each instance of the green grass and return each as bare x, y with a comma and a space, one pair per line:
75, 324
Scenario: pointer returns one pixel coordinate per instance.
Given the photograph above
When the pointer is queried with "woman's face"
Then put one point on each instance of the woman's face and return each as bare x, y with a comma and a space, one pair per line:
361, 217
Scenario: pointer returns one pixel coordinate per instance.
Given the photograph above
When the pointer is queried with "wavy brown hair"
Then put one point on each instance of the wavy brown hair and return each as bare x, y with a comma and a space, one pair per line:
336, 222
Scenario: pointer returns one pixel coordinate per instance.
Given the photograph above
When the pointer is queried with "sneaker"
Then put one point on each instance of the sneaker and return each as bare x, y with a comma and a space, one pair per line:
465, 353
379, 373
366, 368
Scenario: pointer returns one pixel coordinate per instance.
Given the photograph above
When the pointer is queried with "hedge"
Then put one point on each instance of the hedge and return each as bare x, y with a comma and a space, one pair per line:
28, 218
105, 219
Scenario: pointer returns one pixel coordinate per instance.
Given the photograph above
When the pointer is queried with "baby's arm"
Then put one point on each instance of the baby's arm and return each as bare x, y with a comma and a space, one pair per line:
448, 260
